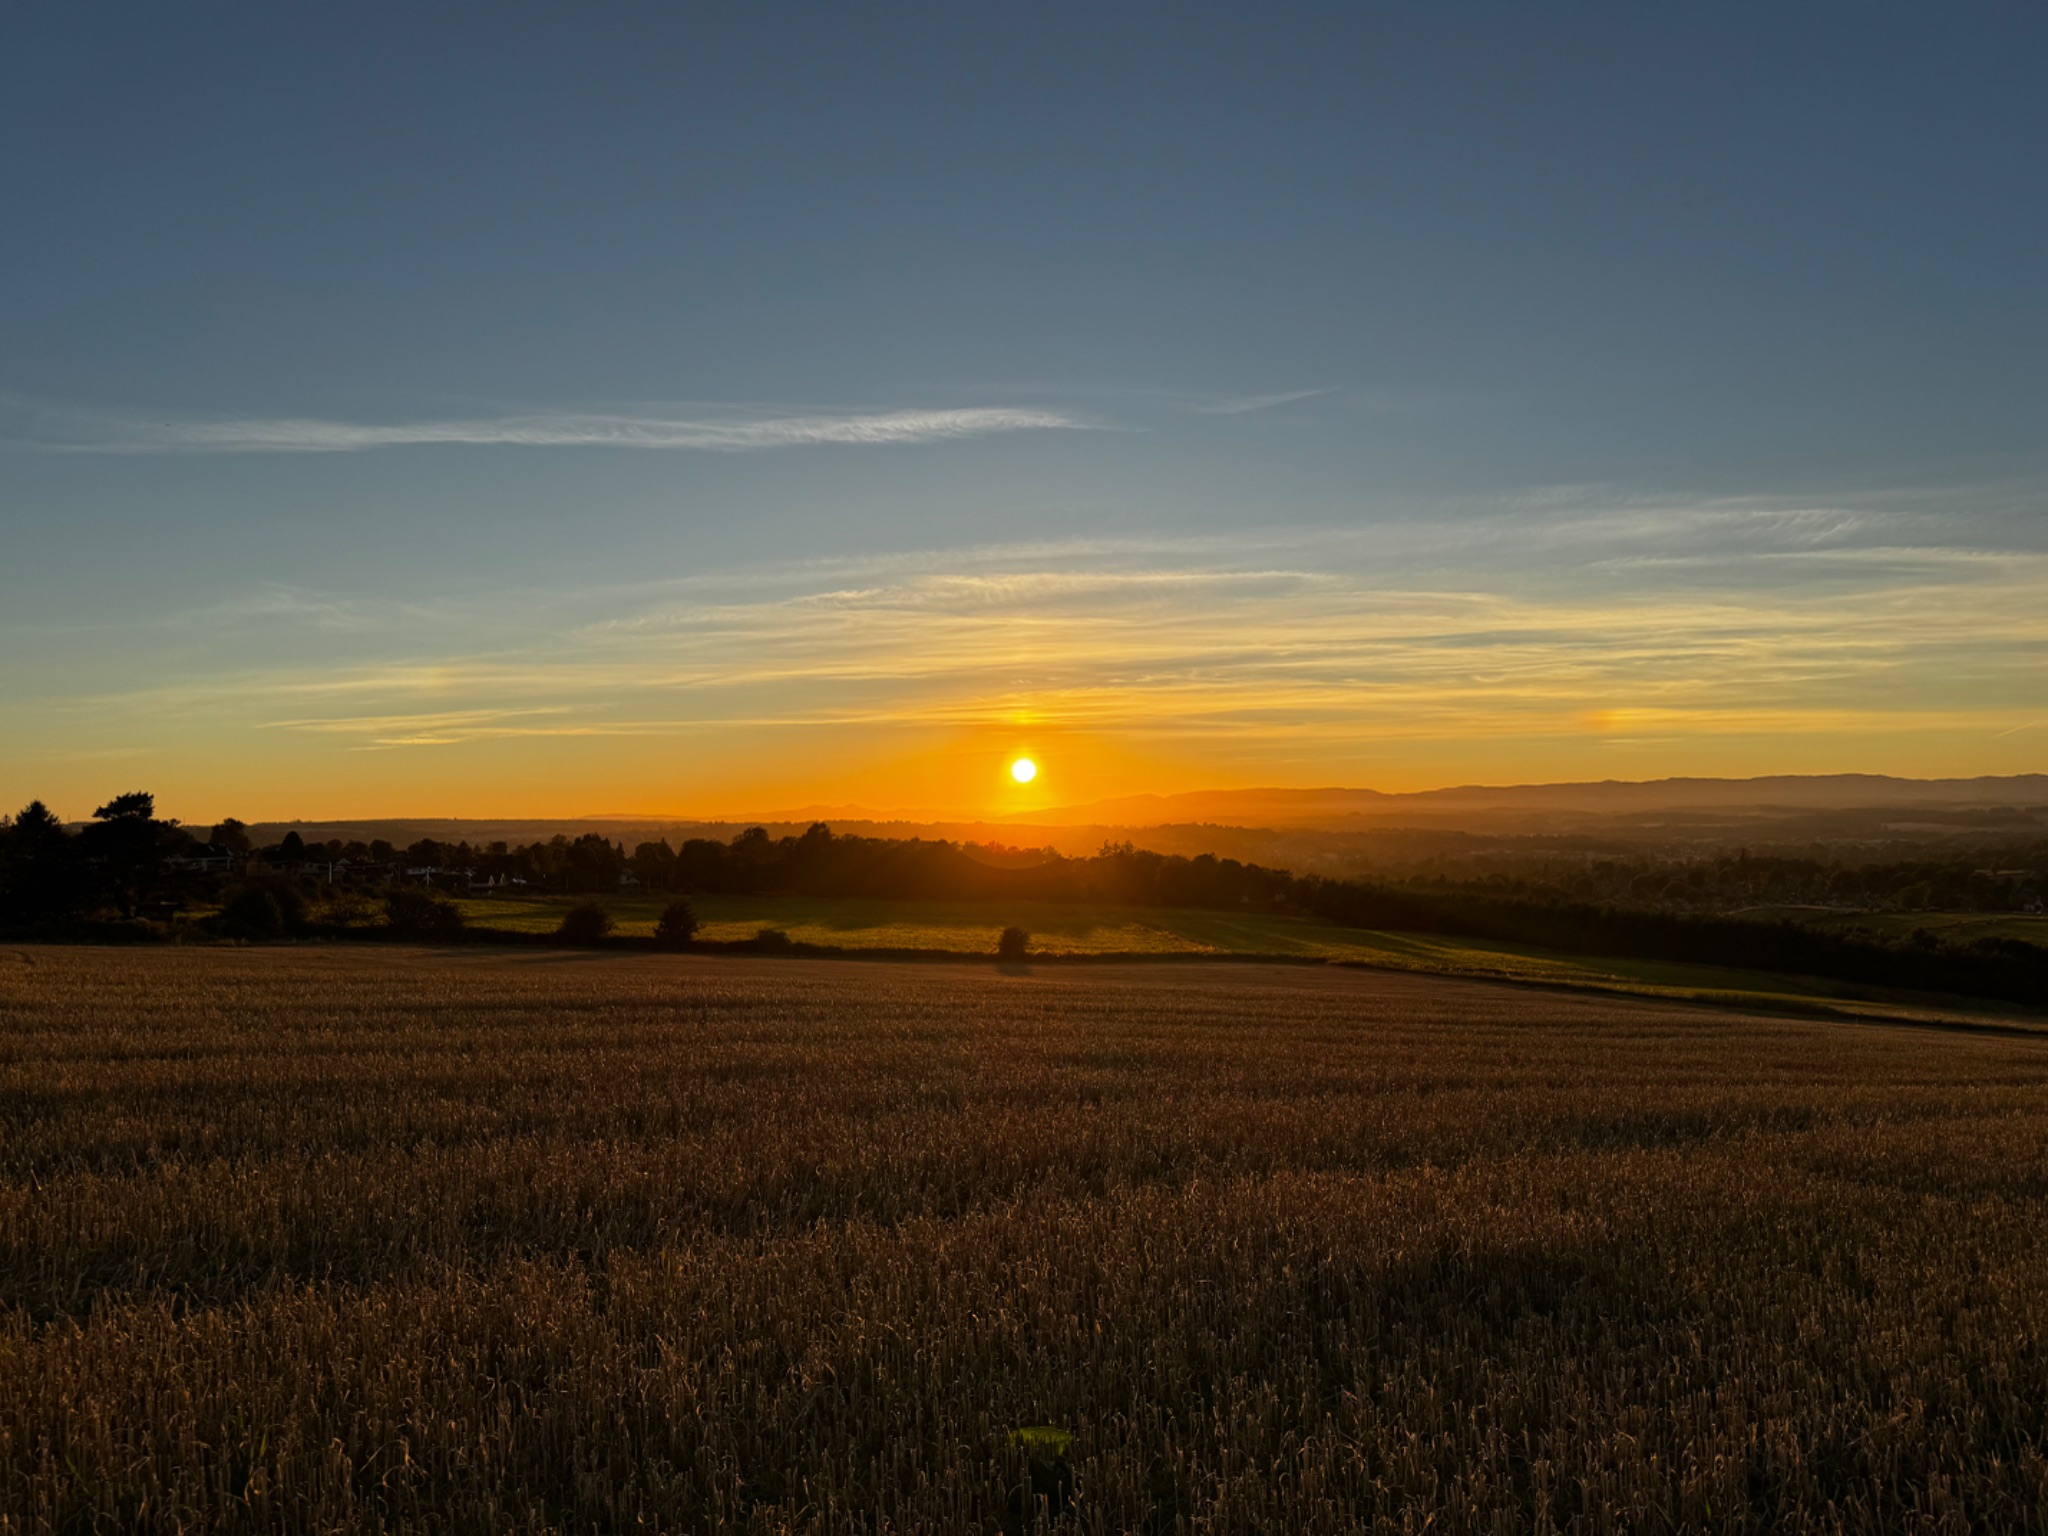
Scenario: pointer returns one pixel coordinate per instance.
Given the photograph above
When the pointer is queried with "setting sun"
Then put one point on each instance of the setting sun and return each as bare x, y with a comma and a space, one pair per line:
1023, 770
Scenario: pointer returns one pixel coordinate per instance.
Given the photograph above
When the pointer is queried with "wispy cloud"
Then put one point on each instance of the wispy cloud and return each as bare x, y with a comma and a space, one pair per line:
1610, 636
1260, 653
1241, 405
719, 431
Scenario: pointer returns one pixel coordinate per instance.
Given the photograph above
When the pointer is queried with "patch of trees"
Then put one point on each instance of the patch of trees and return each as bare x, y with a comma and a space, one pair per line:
821, 863
2003, 879
1995, 967
115, 863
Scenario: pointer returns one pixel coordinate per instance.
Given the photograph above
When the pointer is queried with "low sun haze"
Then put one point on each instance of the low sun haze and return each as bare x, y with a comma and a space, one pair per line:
548, 411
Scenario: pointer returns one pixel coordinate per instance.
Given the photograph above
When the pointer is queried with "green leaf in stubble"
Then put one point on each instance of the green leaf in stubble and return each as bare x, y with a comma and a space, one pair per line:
1042, 1442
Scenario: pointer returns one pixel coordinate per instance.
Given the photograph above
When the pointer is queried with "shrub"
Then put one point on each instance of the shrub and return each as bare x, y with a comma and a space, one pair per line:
1013, 945
253, 912
420, 914
351, 909
773, 941
586, 924
264, 909
677, 925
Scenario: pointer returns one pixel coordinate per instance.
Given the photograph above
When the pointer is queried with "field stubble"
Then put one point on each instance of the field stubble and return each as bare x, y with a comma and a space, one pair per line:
325, 1240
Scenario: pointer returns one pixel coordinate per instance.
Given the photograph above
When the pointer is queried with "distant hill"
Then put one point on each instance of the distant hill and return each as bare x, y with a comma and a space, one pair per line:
1352, 829
1345, 809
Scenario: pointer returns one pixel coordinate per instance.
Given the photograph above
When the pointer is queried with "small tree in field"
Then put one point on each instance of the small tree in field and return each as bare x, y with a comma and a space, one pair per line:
1013, 945
677, 924
586, 924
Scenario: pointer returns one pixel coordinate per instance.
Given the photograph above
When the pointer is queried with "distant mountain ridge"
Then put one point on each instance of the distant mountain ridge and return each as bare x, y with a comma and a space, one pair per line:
1284, 826
1339, 807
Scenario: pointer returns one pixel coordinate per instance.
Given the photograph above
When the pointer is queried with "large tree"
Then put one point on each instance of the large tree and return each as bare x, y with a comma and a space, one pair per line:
126, 845
38, 867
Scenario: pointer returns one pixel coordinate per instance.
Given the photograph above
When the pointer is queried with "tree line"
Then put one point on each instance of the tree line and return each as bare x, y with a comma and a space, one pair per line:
128, 866
1996, 879
2006, 968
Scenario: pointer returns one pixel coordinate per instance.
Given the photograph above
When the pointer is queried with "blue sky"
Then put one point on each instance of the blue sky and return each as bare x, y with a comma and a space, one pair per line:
548, 408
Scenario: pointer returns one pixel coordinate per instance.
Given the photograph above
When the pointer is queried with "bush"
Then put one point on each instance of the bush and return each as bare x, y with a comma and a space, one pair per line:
773, 941
253, 913
586, 924
351, 909
420, 914
264, 909
1013, 945
676, 926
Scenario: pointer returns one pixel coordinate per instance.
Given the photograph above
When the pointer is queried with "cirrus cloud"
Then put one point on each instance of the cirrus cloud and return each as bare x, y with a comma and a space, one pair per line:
717, 430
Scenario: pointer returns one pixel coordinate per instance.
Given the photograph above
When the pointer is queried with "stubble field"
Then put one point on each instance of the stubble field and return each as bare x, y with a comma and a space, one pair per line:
364, 1239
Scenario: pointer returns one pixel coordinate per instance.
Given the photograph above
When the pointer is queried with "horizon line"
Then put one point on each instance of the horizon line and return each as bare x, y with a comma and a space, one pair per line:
926, 815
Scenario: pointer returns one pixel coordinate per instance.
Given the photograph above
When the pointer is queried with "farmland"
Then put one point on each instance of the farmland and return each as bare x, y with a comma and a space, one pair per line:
347, 1238
965, 927
1071, 929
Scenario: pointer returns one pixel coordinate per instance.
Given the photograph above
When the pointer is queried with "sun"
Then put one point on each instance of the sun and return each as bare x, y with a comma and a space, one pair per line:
1023, 770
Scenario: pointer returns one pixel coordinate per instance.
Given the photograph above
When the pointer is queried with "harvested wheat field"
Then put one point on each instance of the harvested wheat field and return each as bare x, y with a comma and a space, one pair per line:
364, 1239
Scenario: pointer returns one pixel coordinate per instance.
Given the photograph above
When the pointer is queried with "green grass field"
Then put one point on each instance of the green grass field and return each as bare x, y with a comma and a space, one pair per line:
961, 927
953, 926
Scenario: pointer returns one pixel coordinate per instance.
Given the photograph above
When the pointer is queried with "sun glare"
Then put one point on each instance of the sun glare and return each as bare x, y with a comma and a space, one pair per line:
1023, 770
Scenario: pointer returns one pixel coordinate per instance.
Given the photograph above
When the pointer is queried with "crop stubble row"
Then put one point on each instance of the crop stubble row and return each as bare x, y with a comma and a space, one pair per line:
308, 1239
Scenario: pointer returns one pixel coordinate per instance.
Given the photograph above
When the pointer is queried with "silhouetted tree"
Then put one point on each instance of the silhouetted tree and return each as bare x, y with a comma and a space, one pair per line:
586, 924
677, 924
593, 864
417, 914
265, 908
36, 832
40, 877
126, 843
231, 836
1014, 945
655, 865
134, 808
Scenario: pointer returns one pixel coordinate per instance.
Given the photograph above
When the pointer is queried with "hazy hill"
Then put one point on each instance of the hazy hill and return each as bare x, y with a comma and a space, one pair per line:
1357, 829
1343, 809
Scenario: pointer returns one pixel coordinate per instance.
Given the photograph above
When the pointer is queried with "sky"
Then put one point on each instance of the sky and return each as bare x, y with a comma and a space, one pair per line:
536, 409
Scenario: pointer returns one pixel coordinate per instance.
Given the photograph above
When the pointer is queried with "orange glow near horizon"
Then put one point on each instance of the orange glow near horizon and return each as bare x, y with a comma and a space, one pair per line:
940, 776
921, 692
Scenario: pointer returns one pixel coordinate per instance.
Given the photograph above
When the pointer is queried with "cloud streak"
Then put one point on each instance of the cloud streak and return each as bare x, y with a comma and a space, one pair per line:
1633, 641
711, 431
1256, 652
1244, 405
